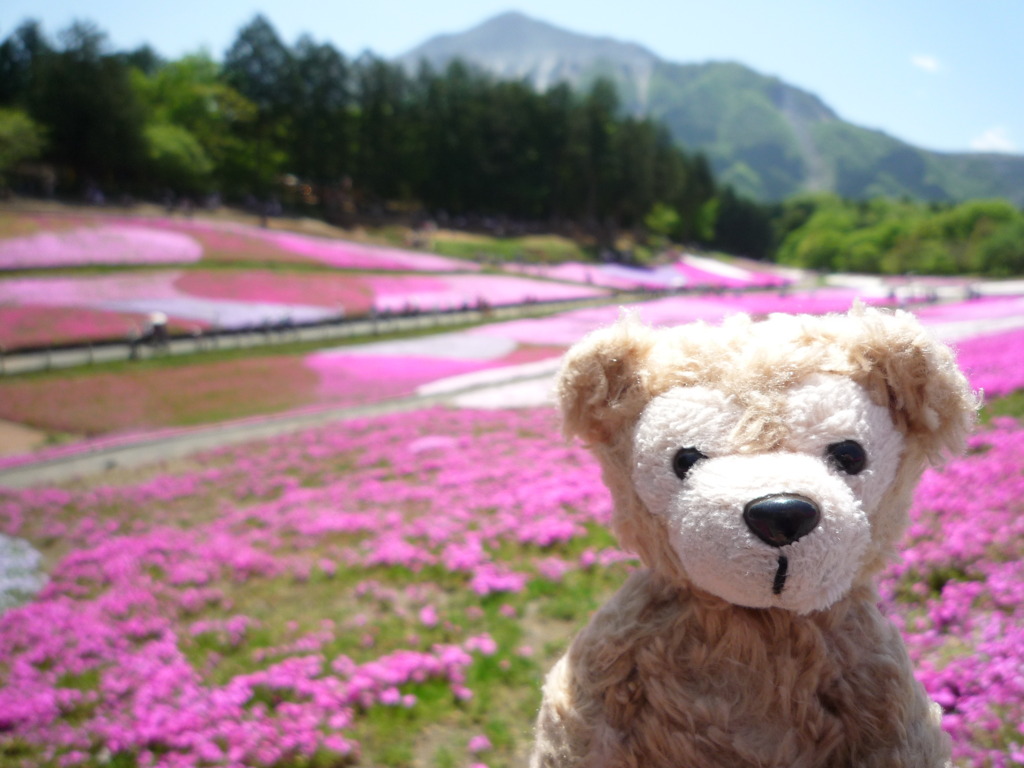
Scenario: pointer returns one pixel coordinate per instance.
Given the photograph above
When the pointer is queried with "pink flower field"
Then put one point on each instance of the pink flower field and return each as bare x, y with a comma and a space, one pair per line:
81, 240
32, 325
994, 363
105, 244
390, 591
990, 340
347, 255
688, 271
375, 372
397, 292
48, 303
567, 327
229, 298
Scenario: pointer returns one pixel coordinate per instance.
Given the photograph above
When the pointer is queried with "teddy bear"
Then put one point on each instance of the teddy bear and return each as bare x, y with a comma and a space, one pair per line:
762, 471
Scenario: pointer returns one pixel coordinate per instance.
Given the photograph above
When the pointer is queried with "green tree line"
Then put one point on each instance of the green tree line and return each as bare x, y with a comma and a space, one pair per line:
340, 134
882, 235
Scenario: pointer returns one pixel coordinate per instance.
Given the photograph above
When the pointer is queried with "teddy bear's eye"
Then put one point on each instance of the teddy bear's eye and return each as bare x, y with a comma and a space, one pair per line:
684, 459
848, 456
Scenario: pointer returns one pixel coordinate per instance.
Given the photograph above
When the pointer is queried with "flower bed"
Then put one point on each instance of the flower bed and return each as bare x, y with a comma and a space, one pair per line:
958, 596
192, 300
575, 272
105, 244
568, 327
93, 239
688, 271
350, 255
392, 589
38, 326
702, 271
342, 294
376, 372
203, 298
995, 362
395, 293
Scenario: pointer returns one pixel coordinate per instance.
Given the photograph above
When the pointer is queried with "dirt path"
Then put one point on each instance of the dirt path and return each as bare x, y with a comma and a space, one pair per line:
17, 438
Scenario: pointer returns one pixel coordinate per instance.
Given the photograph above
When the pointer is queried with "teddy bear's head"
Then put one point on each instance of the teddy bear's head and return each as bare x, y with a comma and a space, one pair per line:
771, 463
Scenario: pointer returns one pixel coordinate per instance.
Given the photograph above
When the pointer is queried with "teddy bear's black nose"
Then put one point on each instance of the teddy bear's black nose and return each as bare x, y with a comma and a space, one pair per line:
781, 518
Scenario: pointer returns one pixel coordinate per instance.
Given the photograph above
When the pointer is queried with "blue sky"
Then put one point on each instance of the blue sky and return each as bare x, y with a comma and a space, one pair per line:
941, 74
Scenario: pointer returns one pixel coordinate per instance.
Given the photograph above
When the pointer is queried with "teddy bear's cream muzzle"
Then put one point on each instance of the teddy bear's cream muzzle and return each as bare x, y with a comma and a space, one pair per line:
785, 527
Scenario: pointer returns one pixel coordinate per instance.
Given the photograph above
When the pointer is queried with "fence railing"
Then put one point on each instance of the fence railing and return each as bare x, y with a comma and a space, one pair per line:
13, 362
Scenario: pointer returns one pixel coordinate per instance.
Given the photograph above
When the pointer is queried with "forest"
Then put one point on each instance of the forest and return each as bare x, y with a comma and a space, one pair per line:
304, 129
336, 136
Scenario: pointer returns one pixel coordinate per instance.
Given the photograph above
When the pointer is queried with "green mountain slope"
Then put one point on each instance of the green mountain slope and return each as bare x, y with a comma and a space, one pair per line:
769, 139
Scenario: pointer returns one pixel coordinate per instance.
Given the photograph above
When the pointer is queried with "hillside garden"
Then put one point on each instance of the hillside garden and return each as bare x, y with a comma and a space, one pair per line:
389, 591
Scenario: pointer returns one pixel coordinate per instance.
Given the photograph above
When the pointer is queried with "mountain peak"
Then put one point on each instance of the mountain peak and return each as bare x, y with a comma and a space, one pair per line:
513, 45
766, 138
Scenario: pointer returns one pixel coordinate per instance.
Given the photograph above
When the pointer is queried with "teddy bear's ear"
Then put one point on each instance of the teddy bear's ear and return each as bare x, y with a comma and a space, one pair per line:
916, 377
601, 384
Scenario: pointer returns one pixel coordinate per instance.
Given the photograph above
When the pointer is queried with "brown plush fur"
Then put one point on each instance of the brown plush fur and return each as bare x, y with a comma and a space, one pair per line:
666, 675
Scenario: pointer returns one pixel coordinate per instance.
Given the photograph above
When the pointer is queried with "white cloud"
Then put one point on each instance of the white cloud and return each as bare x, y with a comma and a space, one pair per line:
995, 139
927, 63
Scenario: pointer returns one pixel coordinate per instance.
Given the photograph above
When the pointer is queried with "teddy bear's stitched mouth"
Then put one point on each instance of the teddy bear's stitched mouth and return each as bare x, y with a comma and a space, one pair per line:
780, 575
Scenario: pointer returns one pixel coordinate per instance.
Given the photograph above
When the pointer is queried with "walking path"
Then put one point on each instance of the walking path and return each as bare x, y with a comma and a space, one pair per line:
14, 363
127, 451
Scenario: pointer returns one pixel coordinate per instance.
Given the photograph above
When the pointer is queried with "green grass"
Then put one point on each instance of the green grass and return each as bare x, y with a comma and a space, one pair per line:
532, 249
506, 687
1011, 405
436, 731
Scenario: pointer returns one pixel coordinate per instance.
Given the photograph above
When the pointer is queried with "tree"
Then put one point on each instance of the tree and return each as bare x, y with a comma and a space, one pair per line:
362, 131
208, 118
84, 98
454, 164
636, 176
742, 226
384, 134
176, 157
144, 59
20, 57
260, 67
21, 138
599, 111
514, 180
321, 133
1002, 253
664, 221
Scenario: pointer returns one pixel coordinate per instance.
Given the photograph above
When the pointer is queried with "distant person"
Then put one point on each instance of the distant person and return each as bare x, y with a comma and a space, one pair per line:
157, 334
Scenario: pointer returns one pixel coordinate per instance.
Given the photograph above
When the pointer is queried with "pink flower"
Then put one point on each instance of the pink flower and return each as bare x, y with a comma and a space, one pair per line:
428, 616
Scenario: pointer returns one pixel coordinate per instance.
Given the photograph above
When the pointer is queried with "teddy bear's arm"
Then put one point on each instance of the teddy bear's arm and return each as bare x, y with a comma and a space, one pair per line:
561, 734
592, 695
925, 744
886, 714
